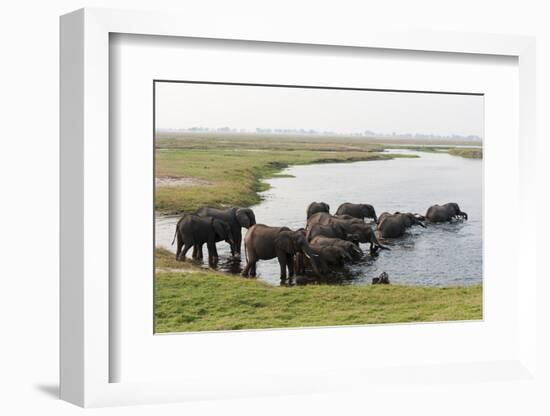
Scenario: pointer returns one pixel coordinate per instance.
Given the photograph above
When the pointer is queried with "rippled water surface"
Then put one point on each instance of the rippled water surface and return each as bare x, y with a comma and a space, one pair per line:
439, 255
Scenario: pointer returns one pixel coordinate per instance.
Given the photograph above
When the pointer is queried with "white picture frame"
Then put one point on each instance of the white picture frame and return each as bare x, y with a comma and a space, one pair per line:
86, 356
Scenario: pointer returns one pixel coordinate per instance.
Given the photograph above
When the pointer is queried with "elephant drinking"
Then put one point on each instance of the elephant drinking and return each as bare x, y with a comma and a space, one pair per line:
263, 242
445, 213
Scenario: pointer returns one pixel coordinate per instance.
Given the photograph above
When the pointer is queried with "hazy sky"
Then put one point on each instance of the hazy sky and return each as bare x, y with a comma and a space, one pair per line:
181, 106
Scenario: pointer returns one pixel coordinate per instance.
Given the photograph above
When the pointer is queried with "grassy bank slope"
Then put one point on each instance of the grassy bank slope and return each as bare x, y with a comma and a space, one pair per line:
469, 153
230, 172
190, 299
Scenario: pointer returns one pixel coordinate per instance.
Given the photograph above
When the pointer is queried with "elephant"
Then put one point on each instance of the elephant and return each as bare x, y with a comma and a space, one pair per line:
353, 250
360, 211
315, 207
382, 216
394, 225
193, 230
444, 213
236, 218
324, 218
329, 256
330, 230
263, 242
363, 231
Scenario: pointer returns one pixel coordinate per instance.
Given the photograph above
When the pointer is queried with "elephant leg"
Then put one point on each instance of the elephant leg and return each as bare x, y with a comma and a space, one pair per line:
250, 268
212, 253
282, 263
290, 265
299, 259
186, 248
199, 252
178, 250
237, 239
373, 249
195, 251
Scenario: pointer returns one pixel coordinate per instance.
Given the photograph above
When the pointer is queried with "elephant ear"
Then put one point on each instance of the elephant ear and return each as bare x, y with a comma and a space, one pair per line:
245, 217
284, 242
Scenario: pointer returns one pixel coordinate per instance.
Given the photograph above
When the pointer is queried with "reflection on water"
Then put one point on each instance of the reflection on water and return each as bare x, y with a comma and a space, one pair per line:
439, 255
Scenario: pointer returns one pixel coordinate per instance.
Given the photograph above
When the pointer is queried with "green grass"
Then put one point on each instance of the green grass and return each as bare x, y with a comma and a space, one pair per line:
469, 153
234, 169
192, 299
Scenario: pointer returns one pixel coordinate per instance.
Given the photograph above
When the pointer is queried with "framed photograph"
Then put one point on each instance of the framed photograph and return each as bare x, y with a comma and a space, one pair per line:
266, 213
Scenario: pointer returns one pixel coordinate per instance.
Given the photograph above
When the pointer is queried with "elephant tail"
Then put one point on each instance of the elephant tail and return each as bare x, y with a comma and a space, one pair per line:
177, 229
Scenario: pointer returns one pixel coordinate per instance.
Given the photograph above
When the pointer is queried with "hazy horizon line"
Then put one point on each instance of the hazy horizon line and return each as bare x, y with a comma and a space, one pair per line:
312, 132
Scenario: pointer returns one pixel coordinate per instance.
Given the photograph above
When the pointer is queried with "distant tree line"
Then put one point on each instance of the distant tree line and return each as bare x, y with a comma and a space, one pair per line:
312, 132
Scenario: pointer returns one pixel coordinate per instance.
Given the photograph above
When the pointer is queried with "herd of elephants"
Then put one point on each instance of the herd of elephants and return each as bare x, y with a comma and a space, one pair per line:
325, 244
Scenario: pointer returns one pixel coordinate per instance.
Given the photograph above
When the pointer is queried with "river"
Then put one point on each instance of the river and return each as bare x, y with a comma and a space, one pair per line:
439, 255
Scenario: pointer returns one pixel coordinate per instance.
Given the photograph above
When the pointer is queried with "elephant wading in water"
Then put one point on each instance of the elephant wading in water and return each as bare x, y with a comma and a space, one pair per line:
445, 213
236, 218
192, 230
316, 207
330, 230
329, 257
262, 242
360, 211
355, 252
353, 226
394, 225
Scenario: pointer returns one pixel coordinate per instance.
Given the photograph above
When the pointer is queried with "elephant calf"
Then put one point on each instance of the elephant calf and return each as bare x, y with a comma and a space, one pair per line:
263, 242
192, 230
445, 213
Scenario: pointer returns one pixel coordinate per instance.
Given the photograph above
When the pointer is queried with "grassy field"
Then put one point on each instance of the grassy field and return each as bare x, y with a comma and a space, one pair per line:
230, 171
192, 299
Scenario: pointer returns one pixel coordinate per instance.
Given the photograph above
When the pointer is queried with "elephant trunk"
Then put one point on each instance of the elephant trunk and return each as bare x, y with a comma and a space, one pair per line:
377, 243
313, 257
381, 247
